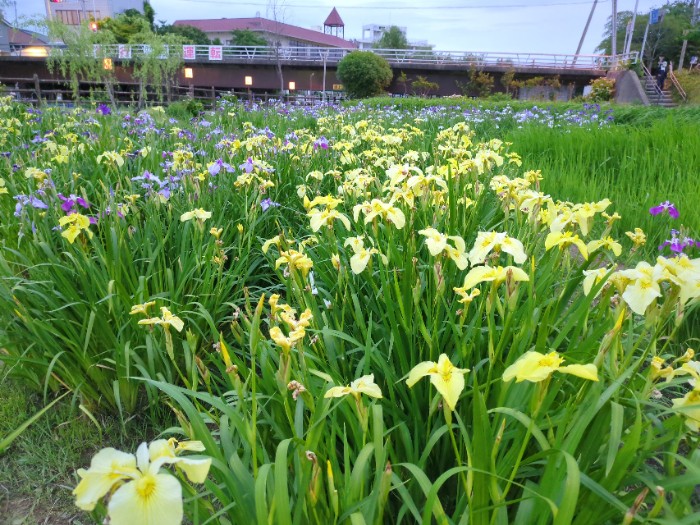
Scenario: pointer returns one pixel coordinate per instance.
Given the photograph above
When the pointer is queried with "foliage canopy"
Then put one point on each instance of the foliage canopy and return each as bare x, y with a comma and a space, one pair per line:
246, 37
392, 38
364, 74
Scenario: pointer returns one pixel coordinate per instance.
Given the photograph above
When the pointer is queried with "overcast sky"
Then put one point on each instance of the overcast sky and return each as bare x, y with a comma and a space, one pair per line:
538, 26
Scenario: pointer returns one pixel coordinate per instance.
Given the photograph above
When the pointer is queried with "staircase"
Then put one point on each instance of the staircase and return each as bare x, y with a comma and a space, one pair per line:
656, 96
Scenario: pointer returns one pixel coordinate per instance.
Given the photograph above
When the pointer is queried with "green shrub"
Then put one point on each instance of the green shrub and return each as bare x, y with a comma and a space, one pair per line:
603, 90
364, 74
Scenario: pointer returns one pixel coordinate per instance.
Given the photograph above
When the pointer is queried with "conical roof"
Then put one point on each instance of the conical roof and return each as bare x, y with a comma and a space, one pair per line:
334, 20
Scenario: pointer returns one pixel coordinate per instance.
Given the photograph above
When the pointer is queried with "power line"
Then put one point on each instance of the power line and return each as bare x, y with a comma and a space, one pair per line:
404, 8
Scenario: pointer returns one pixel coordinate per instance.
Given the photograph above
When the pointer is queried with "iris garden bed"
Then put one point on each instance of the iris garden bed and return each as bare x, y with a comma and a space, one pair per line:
364, 314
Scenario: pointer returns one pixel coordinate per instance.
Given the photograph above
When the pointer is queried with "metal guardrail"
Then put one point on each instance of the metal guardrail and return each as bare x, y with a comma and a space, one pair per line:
320, 55
677, 84
648, 77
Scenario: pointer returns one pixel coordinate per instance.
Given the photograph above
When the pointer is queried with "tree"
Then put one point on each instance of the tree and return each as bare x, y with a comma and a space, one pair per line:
149, 14
664, 39
364, 74
83, 56
392, 38
158, 66
125, 25
188, 34
422, 86
246, 37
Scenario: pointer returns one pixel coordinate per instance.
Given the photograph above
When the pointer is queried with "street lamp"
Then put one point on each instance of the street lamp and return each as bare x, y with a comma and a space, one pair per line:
248, 81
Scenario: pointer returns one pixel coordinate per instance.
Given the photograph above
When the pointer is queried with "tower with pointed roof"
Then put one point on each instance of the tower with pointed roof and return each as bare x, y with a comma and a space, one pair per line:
334, 24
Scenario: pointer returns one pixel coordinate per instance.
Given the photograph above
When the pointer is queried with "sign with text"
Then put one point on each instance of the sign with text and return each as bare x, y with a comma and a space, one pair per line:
216, 53
124, 51
189, 52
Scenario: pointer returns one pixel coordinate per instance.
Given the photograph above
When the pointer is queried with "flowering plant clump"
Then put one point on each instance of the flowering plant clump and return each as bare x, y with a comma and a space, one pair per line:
139, 489
284, 280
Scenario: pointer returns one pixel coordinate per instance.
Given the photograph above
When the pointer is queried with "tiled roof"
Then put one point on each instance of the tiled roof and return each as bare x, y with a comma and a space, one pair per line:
25, 38
334, 20
222, 25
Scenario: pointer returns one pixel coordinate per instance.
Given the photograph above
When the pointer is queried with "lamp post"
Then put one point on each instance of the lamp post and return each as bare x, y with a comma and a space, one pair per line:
248, 81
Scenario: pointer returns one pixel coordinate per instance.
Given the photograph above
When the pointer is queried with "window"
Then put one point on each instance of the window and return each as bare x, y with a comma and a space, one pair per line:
69, 17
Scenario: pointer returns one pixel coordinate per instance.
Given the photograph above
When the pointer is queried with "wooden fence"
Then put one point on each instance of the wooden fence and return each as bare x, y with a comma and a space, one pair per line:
38, 91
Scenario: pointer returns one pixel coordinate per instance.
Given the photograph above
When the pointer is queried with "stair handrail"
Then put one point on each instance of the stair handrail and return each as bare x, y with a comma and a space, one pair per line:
677, 84
648, 75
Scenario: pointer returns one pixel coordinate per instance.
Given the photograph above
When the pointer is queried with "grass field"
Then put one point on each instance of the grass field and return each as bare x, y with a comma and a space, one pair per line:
319, 297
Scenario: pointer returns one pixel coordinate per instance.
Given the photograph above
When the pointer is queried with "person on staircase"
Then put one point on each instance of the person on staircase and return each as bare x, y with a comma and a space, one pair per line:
661, 73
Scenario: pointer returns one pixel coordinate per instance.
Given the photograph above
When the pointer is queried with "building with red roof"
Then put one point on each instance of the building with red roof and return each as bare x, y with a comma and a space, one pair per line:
286, 34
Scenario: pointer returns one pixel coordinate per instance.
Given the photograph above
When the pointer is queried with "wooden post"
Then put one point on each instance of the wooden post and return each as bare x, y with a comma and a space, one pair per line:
213, 95
37, 89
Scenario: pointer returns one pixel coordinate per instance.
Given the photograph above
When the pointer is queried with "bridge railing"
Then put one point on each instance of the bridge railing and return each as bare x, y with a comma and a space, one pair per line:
319, 55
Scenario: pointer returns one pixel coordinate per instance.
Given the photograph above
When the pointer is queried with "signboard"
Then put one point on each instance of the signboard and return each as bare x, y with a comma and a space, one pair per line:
656, 16
216, 53
189, 52
124, 51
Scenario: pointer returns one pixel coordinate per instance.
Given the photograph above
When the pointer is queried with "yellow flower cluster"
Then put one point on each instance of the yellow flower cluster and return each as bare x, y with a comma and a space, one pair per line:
296, 328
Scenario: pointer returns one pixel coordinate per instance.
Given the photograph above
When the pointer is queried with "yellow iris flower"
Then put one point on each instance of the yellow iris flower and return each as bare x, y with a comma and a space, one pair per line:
496, 275
643, 287
144, 495
608, 243
536, 367
166, 320
447, 379
486, 242
364, 385
295, 260
141, 308
437, 243
325, 218
76, 224
565, 239
637, 237
200, 214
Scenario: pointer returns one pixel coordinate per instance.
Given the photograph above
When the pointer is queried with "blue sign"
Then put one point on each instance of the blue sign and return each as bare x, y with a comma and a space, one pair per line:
654, 17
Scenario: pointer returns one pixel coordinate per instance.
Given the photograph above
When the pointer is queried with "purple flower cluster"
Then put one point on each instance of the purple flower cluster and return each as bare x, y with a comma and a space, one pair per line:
154, 184
266, 204
104, 109
678, 243
71, 203
29, 200
665, 206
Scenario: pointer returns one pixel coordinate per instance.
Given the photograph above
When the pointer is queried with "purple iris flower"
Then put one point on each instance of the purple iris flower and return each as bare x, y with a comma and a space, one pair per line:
70, 203
321, 143
268, 203
247, 166
665, 206
677, 244
28, 200
104, 109
215, 168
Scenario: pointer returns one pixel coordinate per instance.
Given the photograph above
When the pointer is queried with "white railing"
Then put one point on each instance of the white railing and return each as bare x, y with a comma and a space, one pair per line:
319, 55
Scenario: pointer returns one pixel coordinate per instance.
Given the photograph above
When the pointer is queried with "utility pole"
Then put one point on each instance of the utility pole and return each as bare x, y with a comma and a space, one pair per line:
628, 44
613, 37
585, 30
693, 21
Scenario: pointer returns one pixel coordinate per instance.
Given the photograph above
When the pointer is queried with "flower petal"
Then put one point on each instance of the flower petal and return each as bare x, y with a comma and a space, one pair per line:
419, 371
153, 499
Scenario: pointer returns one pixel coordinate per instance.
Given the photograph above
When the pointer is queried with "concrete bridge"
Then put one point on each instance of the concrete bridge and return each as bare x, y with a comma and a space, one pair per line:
314, 68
